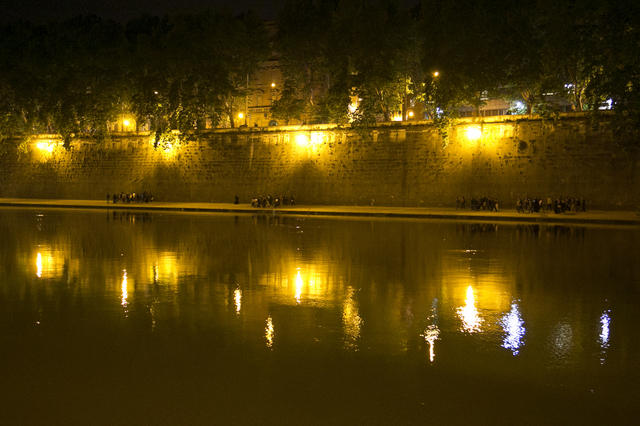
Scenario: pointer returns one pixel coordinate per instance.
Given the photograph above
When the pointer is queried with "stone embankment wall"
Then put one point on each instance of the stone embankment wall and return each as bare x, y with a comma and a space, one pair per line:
408, 165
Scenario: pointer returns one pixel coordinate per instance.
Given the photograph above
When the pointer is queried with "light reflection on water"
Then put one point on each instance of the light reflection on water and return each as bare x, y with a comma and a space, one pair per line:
562, 341
237, 299
605, 322
469, 314
514, 330
39, 265
432, 332
269, 332
386, 290
299, 285
124, 290
352, 322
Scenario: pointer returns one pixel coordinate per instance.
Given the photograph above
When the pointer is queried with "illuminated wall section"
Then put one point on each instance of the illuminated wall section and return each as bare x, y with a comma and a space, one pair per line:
403, 165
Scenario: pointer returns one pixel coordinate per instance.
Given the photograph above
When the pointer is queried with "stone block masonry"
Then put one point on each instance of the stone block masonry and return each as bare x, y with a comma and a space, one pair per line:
410, 165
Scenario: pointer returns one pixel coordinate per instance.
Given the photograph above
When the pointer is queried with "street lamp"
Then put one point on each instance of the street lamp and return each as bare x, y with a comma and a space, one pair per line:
436, 74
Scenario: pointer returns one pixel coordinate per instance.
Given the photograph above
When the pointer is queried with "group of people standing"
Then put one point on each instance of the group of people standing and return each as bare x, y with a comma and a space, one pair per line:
131, 197
483, 203
270, 201
559, 205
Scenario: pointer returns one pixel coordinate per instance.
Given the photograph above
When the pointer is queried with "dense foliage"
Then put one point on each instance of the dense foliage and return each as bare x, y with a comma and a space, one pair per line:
174, 72
585, 52
74, 76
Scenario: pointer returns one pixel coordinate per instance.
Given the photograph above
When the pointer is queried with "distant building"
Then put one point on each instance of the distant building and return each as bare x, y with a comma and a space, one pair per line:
264, 90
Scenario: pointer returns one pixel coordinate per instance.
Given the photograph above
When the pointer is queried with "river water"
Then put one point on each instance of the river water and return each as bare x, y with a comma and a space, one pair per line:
111, 317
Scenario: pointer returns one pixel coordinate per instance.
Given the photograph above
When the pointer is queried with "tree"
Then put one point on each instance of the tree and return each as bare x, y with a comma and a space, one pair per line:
302, 43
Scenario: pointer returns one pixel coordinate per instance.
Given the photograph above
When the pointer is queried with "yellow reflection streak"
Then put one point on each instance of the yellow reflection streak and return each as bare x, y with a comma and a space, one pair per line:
299, 284
269, 332
49, 263
351, 321
237, 298
123, 287
468, 314
39, 265
432, 332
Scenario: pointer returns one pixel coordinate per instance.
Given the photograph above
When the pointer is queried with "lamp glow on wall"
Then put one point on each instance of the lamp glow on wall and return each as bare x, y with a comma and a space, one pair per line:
128, 123
46, 147
310, 140
473, 133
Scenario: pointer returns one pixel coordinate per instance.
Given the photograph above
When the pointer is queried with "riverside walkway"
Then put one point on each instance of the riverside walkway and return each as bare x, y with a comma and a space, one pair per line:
602, 217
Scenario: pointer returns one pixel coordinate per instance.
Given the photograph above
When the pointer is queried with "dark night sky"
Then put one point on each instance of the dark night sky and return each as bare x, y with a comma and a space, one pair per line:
44, 10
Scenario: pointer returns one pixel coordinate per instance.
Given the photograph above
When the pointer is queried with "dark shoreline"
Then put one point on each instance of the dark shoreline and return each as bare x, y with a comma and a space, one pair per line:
592, 217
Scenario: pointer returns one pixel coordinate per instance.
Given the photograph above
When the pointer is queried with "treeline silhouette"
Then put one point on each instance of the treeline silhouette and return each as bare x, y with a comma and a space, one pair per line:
175, 72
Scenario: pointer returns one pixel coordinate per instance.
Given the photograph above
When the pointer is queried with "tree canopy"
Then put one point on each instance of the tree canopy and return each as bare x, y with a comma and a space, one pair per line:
74, 76
360, 61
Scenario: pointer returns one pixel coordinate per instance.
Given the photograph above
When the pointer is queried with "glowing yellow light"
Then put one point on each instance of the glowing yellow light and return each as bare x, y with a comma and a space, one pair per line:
436, 74
126, 122
123, 288
351, 321
473, 133
47, 146
166, 269
168, 145
302, 140
317, 138
237, 298
273, 85
468, 314
299, 284
49, 263
240, 115
269, 332
39, 265
410, 114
